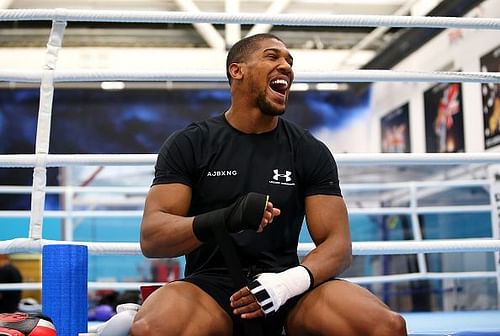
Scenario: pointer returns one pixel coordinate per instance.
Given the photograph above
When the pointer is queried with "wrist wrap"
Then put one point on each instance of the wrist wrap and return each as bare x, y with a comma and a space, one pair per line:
119, 324
272, 290
245, 213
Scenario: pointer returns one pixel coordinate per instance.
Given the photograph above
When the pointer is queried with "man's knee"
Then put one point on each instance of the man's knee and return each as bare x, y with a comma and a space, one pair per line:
196, 325
392, 324
399, 324
180, 309
140, 327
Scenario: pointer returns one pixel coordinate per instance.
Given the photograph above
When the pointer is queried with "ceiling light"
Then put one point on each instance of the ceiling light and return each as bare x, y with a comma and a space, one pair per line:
299, 87
332, 86
112, 85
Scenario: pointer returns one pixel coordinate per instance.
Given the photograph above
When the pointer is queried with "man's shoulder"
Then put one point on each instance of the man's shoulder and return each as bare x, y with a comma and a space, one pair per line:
213, 123
201, 128
295, 130
291, 124
302, 137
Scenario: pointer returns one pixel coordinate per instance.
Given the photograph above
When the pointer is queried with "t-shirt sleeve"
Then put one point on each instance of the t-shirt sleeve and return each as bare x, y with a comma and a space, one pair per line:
176, 160
317, 167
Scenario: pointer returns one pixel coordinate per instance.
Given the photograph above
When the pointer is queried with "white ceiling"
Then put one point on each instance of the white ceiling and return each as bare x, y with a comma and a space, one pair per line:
351, 47
291, 6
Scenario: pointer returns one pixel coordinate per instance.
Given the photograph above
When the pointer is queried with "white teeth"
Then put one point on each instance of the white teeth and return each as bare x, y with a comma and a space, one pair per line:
280, 82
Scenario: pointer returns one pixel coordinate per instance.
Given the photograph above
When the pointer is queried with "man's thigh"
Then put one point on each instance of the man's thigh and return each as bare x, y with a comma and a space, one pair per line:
220, 288
337, 307
181, 308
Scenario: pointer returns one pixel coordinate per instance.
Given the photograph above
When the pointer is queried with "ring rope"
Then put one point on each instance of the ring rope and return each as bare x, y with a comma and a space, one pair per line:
43, 128
41, 159
140, 190
422, 276
248, 18
388, 278
28, 245
354, 211
400, 185
393, 159
85, 75
13, 189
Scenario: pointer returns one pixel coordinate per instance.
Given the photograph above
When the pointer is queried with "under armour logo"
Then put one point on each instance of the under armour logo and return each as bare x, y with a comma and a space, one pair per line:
286, 175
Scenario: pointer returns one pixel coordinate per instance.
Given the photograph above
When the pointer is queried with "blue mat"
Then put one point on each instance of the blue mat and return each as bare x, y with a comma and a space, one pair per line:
470, 323
463, 323
463, 333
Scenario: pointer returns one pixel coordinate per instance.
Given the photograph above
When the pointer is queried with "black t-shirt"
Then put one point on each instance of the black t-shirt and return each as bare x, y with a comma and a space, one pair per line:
9, 299
221, 163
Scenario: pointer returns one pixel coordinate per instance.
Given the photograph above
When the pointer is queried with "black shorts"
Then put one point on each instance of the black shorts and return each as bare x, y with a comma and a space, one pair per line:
219, 287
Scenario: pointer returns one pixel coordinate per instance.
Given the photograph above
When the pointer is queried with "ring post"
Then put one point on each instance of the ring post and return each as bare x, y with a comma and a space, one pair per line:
64, 287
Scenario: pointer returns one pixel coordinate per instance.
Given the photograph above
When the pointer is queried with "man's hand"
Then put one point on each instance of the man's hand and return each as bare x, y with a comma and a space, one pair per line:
272, 290
243, 301
246, 213
244, 304
252, 211
269, 291
269, 215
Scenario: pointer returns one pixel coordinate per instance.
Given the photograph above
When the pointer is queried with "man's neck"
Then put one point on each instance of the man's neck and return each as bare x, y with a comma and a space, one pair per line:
251, 121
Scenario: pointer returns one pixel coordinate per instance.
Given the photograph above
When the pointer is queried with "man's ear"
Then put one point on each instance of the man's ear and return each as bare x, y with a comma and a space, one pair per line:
236, 70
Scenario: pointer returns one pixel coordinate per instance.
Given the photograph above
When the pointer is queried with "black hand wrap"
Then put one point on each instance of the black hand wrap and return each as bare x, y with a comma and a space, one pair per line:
244, 214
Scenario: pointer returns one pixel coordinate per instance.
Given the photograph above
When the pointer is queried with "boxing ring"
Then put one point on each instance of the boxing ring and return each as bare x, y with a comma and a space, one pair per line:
76, 263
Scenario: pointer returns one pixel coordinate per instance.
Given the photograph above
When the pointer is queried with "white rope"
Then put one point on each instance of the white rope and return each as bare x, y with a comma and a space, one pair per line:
413, 247
249, 18
139, 190
399, 185
352, 211
86, 75
43, 128
80, 214
27, 245
392, 159
421, 210
90, 285
395, 159
65, 160
142, 190
47, 77
389, 278
20, 245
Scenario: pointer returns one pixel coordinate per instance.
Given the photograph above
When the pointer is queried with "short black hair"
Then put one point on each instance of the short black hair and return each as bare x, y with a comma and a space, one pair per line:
241, 49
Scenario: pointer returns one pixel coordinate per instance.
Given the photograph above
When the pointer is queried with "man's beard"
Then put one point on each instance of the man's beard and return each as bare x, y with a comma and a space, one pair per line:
266, 107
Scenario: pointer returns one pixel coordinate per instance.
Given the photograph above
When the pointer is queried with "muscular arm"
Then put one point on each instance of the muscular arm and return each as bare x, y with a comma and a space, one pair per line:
329, 228
165, 231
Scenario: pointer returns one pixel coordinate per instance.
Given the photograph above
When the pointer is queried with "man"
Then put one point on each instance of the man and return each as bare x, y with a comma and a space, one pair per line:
212, 175
9, 299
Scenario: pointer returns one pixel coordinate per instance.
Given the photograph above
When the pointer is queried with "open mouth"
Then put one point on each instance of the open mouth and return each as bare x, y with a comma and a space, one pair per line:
279, 86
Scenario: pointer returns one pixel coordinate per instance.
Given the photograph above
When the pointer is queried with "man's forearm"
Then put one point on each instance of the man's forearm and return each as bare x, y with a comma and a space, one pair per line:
164, 235
328, 259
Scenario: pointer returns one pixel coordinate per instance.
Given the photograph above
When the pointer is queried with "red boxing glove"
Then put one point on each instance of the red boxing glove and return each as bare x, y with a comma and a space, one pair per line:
23, 324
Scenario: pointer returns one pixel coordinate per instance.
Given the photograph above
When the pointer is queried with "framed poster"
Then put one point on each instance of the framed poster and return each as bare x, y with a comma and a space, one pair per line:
491, 100
444, 119
395, 131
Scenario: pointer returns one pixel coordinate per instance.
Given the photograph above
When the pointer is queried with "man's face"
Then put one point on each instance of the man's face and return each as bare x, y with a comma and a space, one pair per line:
269, 76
